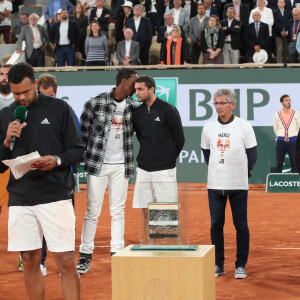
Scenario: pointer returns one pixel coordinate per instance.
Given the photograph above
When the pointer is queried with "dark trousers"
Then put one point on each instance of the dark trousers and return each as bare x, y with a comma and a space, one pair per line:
282, 148
156, 21
196, 51
6, 32
293, 54
217, 203
37, 58
65, 54
144, 55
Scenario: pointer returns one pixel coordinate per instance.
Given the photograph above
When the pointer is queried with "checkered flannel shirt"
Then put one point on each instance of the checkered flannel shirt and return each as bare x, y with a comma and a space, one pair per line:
95, 121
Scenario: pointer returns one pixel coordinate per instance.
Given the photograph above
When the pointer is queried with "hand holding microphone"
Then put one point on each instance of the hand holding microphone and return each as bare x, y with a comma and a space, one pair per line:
15, 128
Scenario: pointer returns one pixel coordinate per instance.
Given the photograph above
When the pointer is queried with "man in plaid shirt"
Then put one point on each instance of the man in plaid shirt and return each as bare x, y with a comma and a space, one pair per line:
106, 127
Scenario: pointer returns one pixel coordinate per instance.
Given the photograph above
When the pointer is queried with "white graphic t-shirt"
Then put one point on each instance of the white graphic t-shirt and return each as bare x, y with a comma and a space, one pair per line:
114, 153
228, 163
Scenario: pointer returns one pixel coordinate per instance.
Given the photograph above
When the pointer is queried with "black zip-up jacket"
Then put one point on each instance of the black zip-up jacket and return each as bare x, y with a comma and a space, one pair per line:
160, 133
51, 130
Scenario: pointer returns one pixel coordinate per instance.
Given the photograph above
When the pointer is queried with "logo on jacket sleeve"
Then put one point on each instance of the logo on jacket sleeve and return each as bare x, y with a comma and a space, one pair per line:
157, 119
45, 122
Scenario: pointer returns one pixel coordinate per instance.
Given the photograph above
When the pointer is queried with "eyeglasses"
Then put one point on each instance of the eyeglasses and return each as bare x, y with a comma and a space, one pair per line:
220, 103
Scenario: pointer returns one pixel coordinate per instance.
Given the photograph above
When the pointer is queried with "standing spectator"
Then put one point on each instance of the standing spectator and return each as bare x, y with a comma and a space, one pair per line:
280, 30
36, 39
286, 125
96, 47
128, 51
191, 7
232, 31
40, 202
142, 32
81, 19
88, 5
53, 6
293, 31
210, 10
5, 21
101, 14
181, 16
125, 14
17, 29
106, 127
174, 49
165, 32
159, 131
257, 37
212, 42
65, 39
197, 25
155, 12
241, 12
266, 14
230, 151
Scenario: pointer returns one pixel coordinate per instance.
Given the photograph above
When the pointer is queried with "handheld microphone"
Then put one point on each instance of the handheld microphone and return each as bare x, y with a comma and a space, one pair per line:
20, 116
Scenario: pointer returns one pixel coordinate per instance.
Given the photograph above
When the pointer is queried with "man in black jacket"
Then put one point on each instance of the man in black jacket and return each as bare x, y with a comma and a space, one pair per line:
232, 30
257, 37
142, 32
159, 130
102, 15
65, 38
40, 201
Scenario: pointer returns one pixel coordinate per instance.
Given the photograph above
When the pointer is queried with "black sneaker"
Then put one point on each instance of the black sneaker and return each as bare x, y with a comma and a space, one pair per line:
240, 273
219, 271
84, 264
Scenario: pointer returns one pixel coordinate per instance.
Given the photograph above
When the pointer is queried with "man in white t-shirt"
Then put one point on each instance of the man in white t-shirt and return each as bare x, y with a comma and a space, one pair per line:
229, 147
5, 25
106, 128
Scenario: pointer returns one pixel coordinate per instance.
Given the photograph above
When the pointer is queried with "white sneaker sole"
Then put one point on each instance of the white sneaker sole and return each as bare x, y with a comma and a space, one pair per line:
83, 271
219, 274
240, 276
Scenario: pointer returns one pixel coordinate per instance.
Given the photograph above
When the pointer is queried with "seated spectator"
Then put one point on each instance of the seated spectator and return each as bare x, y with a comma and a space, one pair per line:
210, 10
280, 30
198, 23
5, 21
65, 39
17, 29
102, 15
265, 12
142, 32
36, 39
125, 14
257, 37
212, 42
232, 31
96, 46
81, 19
181, 16
165, 32
174, 49
293, 31
128, 51
53, 6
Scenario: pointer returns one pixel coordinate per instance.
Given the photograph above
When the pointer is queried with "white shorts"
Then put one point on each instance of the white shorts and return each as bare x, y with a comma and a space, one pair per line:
28, 224
157, 186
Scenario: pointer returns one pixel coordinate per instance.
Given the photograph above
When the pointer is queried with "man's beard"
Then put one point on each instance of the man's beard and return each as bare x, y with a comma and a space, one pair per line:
4, 87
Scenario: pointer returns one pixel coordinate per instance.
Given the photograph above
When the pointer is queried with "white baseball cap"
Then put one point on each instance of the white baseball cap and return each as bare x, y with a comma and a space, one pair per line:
127, 4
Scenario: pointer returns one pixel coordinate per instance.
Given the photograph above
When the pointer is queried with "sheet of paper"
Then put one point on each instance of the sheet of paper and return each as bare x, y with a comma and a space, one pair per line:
22, 164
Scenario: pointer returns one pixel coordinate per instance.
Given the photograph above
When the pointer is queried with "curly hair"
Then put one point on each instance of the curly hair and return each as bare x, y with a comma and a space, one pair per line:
19, 72
124, 73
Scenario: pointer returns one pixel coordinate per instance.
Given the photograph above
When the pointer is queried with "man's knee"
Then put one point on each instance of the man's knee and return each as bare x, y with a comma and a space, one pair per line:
65, 260
31, 258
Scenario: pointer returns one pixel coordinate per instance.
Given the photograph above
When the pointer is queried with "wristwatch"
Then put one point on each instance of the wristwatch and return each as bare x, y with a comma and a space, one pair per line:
58, 160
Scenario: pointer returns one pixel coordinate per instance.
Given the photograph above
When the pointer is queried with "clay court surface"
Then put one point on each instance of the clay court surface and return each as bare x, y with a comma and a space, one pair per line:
274, 261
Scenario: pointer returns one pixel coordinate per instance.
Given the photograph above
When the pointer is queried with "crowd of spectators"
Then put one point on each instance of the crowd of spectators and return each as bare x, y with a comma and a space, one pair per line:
210, 32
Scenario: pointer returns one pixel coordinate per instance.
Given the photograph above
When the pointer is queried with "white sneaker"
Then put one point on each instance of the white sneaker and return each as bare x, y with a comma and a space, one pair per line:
240, 273
43, 270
